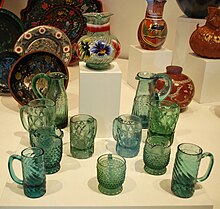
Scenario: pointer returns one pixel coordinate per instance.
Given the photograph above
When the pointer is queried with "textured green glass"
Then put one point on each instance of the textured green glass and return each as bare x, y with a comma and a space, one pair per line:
163, 117
38, 113
50, 140
156, 155
111, 171
186, 167
33, 170
127, 131
99, 47
56, 92
146, 92
82, 134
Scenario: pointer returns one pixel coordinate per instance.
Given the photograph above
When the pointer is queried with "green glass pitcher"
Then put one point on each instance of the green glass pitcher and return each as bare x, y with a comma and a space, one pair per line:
146, 92
56, 92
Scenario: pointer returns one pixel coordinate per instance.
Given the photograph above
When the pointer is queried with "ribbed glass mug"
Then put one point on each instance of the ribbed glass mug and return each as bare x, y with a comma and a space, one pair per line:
33, 170
186, 167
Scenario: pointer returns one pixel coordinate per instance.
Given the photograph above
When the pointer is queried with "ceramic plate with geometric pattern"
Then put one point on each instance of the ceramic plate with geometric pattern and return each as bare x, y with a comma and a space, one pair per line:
45, 38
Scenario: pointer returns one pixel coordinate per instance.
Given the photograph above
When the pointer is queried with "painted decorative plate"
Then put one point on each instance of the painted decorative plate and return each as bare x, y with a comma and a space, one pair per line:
1, 3
26, 67
66, 15
11, 28
7, 59
46, 38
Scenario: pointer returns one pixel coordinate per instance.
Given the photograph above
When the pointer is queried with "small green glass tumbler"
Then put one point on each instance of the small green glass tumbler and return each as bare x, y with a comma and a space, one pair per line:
111, 171
83, 129
156, 155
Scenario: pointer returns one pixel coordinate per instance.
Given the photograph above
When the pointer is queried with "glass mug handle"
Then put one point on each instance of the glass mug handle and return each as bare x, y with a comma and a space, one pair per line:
114, 129
208, 171
11, 170
24, 118
163, 93
35, 87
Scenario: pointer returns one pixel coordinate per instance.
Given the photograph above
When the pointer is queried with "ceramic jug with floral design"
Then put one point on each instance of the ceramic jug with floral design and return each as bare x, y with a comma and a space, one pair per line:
98, 48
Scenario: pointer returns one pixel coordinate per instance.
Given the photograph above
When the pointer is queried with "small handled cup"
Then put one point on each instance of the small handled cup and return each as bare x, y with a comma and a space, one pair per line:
127, 131
156, 155
82, 135
33, 169
111, 170
38, 113
186, 167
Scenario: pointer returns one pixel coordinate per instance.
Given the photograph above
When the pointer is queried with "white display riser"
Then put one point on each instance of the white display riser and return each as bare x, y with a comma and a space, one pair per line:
99, 95
205, 73
184, 29
154, 61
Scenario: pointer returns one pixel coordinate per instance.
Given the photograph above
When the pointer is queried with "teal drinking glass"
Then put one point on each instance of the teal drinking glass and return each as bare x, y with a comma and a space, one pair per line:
163, 117
111, 171
82, 135
127, 131
33, 170
186, 167
156, 155
50, 140
38, 113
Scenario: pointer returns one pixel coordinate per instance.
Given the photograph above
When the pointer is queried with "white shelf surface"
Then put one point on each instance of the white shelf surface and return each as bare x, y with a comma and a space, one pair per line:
75, 185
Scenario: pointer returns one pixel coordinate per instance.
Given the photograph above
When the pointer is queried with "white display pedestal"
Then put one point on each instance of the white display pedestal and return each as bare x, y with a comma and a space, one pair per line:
99, 96
205, 74
184, 29
154, 61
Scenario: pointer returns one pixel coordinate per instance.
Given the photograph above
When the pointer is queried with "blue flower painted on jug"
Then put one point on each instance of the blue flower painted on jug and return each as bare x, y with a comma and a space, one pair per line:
101, 48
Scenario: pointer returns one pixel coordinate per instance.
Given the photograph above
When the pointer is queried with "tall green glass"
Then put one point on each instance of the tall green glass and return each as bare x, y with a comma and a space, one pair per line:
186, 167
163, 117
50, 140
82, 135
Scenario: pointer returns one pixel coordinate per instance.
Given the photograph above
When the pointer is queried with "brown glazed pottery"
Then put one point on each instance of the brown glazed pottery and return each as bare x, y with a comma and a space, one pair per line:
205, 40
183, 89
152, 30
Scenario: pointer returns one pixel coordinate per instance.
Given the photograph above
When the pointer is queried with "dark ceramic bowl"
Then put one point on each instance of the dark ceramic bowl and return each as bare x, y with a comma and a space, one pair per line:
196, 8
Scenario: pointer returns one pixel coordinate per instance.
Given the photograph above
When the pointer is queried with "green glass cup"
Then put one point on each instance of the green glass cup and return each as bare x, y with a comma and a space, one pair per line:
186, 167
82, 135
111, 171
33, 170
127, 131
50, 140
156, 155
38, 113
163, 117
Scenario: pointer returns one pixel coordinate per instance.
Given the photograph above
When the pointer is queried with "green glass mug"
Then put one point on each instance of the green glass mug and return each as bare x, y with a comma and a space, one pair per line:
186, 167
163, 117
33, 170
38, 113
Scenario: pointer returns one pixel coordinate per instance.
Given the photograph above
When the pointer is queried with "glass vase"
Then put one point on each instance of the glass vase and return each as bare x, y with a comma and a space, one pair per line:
98, 48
